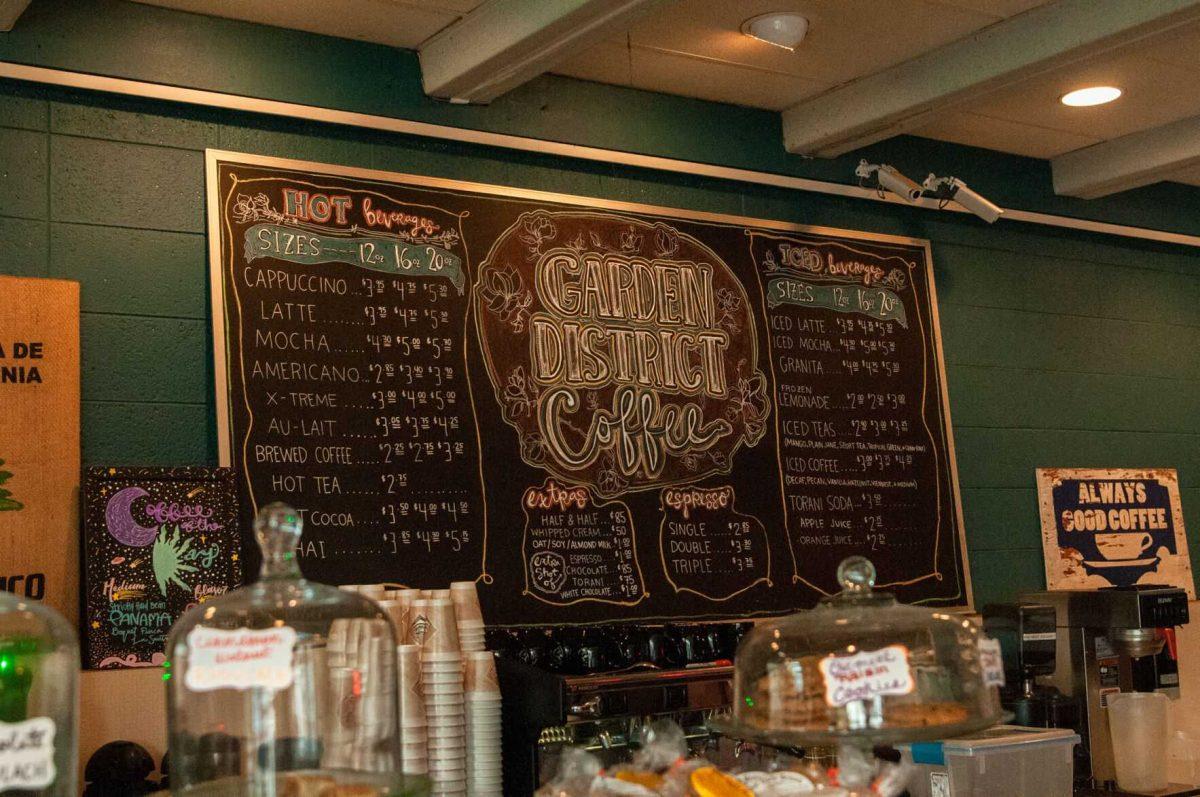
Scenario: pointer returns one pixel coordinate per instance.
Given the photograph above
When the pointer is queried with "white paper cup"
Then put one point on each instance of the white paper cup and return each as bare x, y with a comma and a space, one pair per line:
447, 731
443, 678
449, 754
448, 769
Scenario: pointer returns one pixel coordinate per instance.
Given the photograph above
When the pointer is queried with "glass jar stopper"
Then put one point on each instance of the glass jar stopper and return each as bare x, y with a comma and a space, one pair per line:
856, 574
278, 528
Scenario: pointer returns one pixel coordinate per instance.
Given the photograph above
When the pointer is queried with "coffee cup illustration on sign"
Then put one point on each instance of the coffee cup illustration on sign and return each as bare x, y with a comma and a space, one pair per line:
1123, 546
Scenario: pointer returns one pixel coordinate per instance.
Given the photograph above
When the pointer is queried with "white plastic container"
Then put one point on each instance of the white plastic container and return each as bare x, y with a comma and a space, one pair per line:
1006, 759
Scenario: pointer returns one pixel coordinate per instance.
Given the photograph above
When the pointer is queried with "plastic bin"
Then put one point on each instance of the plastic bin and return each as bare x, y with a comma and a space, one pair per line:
1004, 760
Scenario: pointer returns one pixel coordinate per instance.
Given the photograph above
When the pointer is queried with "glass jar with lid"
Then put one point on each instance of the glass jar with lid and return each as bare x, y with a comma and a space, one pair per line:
39, 693
285, 686
861, 665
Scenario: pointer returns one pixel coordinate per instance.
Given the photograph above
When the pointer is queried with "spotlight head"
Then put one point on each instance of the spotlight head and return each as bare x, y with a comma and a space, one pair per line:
885, 177
955, 190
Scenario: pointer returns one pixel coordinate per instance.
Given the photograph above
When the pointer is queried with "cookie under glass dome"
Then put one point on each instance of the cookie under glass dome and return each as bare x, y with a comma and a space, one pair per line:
861, 667
285, 686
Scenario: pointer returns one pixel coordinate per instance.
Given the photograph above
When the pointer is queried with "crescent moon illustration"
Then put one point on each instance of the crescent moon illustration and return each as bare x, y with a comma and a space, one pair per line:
119, 519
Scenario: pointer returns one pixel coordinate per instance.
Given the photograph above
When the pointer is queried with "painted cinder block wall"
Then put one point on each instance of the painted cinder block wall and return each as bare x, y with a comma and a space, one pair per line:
1061, 348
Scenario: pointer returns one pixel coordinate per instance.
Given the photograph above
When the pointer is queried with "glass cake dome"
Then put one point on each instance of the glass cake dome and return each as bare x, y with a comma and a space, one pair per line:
39, 690
285, 686
861, 667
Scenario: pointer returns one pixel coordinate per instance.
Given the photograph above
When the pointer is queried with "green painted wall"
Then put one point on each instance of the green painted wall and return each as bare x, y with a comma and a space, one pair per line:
1061, 348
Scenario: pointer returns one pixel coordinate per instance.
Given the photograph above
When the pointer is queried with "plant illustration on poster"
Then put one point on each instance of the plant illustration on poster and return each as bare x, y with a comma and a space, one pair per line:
7, 502
157, 541
1113, 527
683, 415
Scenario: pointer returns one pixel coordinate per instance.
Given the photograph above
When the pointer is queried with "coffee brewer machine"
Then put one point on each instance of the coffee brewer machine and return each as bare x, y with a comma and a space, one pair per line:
1107, 641
1028, 636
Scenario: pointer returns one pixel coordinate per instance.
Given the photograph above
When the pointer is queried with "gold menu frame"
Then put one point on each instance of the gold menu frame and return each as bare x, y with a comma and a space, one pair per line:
216, 270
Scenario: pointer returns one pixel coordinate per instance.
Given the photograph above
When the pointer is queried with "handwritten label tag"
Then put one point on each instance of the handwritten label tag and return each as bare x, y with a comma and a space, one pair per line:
241, 659
865, 675
991, 662
27, 754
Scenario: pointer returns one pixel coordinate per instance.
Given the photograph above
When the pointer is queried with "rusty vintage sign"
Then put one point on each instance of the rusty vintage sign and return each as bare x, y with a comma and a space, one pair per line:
1113, 527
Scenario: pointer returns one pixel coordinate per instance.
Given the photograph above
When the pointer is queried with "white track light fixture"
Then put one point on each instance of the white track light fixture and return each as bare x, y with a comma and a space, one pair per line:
952, 189
882, 177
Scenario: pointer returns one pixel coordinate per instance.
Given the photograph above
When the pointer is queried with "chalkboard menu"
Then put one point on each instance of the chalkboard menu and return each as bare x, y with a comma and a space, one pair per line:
156, 542
597, 410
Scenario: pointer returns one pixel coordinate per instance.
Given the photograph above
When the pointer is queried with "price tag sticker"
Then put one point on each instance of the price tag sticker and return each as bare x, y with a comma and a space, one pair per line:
991, 662
865, 675
27, 754
240, 659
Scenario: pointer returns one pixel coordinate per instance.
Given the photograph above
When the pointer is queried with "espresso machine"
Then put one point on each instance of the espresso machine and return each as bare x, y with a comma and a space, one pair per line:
1108, 641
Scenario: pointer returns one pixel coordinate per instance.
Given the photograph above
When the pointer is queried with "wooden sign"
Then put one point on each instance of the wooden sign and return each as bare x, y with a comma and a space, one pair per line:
597, 410
1113, 527
39, 441
156, 542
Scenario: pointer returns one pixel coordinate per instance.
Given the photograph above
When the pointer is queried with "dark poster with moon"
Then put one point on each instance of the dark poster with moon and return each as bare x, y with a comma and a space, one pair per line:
598, 410
156, 541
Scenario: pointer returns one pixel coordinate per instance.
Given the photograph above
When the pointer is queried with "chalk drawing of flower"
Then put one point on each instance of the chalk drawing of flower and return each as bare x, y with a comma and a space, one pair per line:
666, 239
578, 245
719, 459
609, 482
506, 296
631, 240
533, 449
536, 228
691, 462
519, 395
445, 238
729, 304
167, 558
253, 208
895, 280
750, 406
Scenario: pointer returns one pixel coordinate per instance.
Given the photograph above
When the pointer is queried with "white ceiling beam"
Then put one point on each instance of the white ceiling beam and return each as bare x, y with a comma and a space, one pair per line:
10, 12
908, 95
1131, 161
504, 43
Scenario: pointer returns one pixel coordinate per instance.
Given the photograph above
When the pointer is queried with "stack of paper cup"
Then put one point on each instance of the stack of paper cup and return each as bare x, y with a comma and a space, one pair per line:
468, 615
414, 750
373, 592
397, 613
433, 627
404, 598
362, 684
482, 715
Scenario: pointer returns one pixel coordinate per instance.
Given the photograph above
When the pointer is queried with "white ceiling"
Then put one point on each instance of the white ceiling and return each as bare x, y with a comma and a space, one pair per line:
694, 48
399, 23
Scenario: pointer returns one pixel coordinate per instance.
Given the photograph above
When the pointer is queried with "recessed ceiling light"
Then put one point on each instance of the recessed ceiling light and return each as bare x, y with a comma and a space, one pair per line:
782, 29
1092, 95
